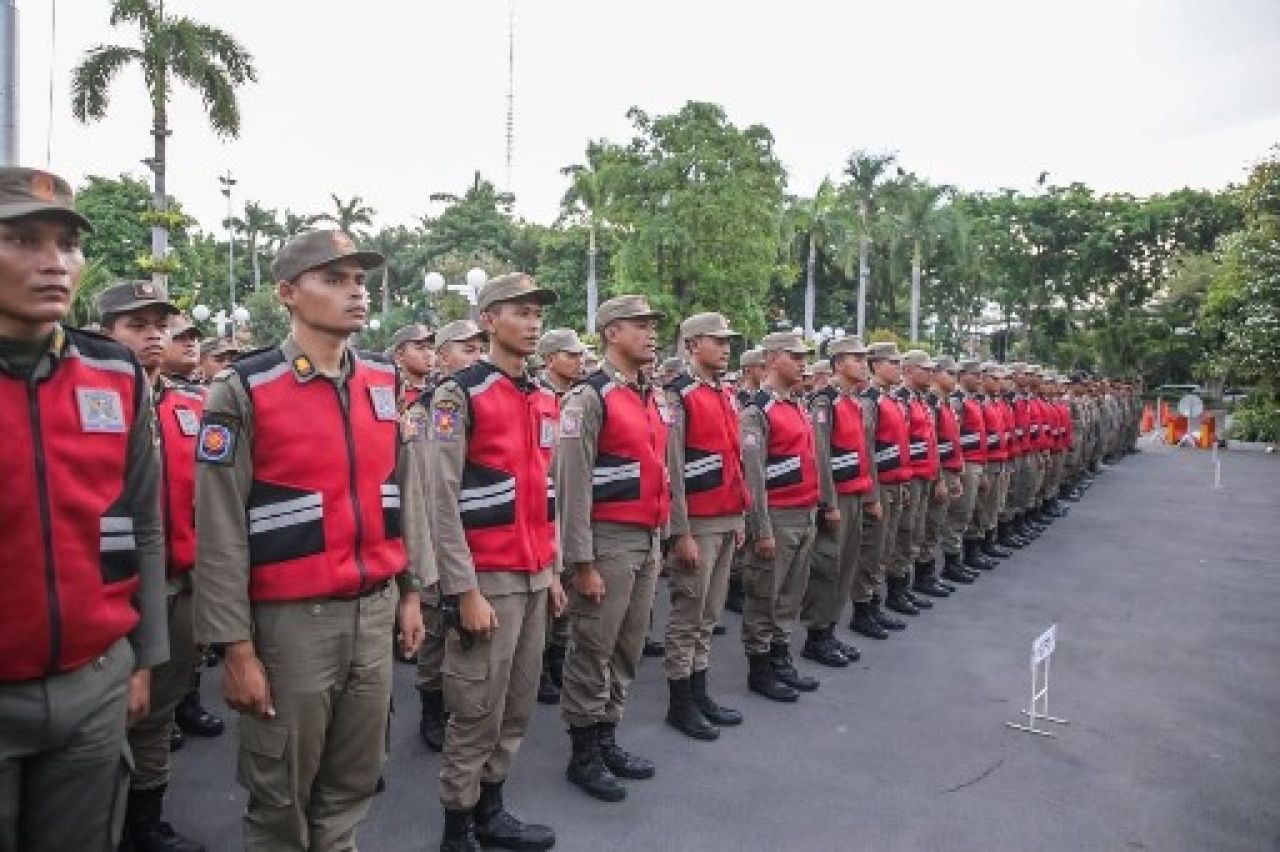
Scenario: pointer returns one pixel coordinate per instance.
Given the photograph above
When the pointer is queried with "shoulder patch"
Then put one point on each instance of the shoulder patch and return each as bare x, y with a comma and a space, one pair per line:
413, 423
216, 444
444, 419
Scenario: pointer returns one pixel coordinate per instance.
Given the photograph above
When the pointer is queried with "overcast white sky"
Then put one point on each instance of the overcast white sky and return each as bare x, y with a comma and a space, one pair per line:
395, 99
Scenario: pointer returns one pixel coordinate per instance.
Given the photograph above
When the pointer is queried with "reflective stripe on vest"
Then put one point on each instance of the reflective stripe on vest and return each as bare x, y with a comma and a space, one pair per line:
629, 482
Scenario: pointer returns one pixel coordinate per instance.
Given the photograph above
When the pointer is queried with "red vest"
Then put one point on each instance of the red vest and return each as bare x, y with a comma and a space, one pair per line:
178, 412
629, 483
1041, 427
1062, 411
923, 438
1011, 438
993, 420
950, 455
973, 428
713, 482
791, 457
507, 501
71, 564
850, 465
1022, 424
324, 509
893, 447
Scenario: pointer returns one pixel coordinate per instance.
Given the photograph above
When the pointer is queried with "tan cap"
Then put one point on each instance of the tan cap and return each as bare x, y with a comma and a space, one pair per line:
945, 362
411, 333
917, 358
27, 192
751, 358
218, 346
887, 351
1035, 369
125, 296
822, 367
846, 345
784, 341
1000, 371
1017, 367
180, 326
312, 249
672, 365
508, 288
970, 365
706, 325
457, 331
624, 307
560, 340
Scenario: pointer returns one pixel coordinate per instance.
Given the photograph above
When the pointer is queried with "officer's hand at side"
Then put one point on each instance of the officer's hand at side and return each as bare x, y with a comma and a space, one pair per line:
832, 517
588, 582
739, 539
478, 617
412, 631
874, 510
557, 601
766, 547
686, 551
139, 695
940, 491
244, 682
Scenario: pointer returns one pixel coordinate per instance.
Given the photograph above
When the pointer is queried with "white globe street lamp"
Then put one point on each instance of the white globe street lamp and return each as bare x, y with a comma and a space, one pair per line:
375, 324
433, 282
240, 315
200, 313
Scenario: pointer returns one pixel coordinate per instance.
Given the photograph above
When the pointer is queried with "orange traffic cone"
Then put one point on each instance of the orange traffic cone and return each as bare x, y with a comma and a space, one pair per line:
1148, 419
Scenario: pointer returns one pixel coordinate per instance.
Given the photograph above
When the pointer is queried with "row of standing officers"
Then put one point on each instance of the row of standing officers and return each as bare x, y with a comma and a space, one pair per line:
312, 502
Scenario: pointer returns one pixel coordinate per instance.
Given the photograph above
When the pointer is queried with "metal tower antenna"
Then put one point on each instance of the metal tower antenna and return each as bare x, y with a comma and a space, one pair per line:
8, 83
511, 91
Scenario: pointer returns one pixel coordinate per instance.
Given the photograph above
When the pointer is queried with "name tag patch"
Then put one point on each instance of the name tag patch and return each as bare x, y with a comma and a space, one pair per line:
384, 402
547, 434
188, 423
100, 410
570, 425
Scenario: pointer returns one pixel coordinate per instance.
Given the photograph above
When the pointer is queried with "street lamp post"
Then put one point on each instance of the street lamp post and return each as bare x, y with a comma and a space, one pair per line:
434, 283
227, 182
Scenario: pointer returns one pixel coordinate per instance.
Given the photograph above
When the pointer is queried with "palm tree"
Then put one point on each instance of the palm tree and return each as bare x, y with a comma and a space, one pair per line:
815, 220
258, 223
396, 245
585, 201
866, 171
207, 59
919, 217
295, 223
349, 214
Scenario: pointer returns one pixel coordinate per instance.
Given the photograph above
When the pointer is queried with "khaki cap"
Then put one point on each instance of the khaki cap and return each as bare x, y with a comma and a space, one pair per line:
624, 307
1000, 371
947, 363
410, 333
706, 325
560, 340
845, 345
917, 358
508, 288
751, 358
458, 331
822, 367
218, 346
26, 192
1017, 367
125, 296
1035, 369
180, 326
312, 249
887, 351
970, 365
784, 341
672, 365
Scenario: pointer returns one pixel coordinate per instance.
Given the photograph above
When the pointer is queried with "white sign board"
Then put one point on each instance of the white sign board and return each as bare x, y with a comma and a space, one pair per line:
1043, 646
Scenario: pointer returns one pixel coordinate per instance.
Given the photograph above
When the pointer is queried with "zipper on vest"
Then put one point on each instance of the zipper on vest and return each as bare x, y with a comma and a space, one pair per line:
46, 531
167, 498
355, 486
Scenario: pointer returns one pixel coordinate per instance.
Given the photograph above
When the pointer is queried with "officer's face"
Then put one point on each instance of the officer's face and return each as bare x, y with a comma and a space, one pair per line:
852, 368
40, 267
972, 382
753, 374
145, 332
918, 377
945, 381
787, 366
710, 353
459, 354
212, 364
417, 358
888, 371
514, 326
181, 354
634, 339
331, 298
566, 365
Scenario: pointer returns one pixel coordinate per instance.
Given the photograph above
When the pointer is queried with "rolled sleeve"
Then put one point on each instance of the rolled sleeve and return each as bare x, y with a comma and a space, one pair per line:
580, 420
679, 523
446, 457
755, 437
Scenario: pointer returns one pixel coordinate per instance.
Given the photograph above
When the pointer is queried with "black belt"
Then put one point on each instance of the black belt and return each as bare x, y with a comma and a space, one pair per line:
366, 593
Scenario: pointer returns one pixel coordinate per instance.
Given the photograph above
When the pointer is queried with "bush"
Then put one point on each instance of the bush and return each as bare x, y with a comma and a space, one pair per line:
1256, 419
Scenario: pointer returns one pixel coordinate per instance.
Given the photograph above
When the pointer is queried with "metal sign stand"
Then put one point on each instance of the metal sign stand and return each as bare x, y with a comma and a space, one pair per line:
1217, 468
1041, 650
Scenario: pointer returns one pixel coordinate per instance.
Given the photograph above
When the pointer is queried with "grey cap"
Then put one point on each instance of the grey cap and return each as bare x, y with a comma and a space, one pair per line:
784, 341
672, 365
508, 288
970, 365
180, 326
411, 333
313, 249
560, 340
917, 358
945, 362
458, 331
822, 367
27, 192
1017, 367
125, 296
846, 345
886, 351
751, 358
218, 346
624, 307
706, 325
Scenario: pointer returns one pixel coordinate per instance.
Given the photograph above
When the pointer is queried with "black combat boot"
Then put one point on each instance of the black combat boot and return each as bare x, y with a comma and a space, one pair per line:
820, 646
884, 619
684, 715
194, 719
716, 714
146, 831
177, 739
621, 762
459, 832
991, 548
865, 624
736, 597
548, 692
785, 669
498, 828
926, 582
955, 572
434, 719
898, 600
587, 769
653, 648
1056, 509
973, 557
1008, 537
763, 680
850, 651
555, 656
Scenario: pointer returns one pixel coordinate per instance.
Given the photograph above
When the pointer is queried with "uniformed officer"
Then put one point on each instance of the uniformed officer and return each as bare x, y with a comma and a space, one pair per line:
73, 667
999, 434
613, 490
947, 517
216, 354
137, 314
965, 531
926, 487
751, 374
412, 350
300, 557
846, 473
182, 351
491, 437
779, 456
671, 367
708, 497
821, 375
459, 344
562, 356
1011, 534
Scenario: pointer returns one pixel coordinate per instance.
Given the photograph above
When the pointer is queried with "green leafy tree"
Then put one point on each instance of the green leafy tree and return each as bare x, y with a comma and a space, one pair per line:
584, 202
350, 216
867, 172
258, 225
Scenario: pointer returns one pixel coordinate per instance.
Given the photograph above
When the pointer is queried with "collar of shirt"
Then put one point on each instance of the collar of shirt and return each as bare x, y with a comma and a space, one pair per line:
796, 395
640, 385
304, 369
55, 348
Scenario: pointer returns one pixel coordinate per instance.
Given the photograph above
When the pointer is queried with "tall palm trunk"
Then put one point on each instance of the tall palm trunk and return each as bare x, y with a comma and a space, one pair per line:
257, 262
810, 297
386, 291
159, 199
593, 290
864, 267
915, 291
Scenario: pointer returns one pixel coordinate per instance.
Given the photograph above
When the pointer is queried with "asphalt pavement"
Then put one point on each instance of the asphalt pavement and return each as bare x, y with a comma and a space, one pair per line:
1165, 594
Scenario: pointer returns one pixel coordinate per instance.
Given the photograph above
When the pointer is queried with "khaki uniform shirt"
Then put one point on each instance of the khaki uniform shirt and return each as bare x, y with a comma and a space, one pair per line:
820, 410
755, 446
681, 523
